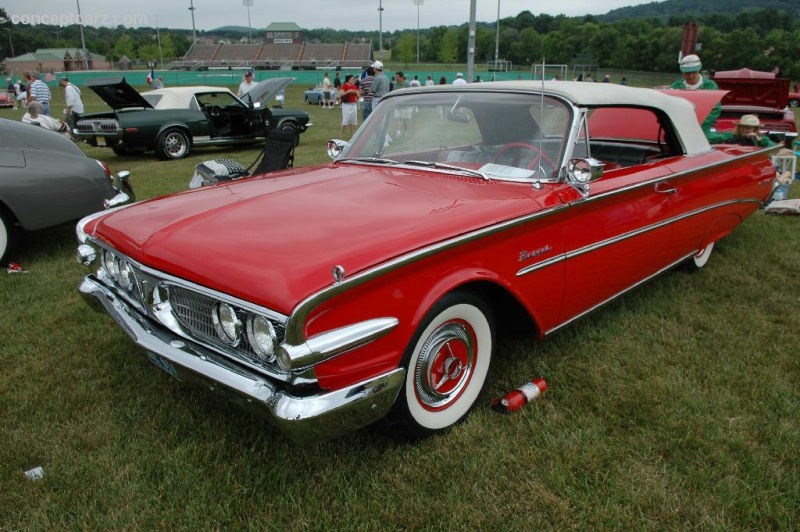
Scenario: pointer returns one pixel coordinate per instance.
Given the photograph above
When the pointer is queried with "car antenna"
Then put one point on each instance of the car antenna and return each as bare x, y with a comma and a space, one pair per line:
537, 184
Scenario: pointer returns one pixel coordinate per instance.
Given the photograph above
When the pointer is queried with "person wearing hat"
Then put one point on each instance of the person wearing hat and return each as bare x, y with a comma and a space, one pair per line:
246, 84
693, 80
459, 79
72, 94
380, 84
745, 133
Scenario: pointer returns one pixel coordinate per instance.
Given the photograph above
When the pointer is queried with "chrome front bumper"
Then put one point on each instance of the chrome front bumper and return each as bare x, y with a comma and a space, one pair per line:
302, 419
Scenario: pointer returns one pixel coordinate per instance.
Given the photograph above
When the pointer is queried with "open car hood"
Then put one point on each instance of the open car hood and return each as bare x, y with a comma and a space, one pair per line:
753, 88
264, 91
116, 92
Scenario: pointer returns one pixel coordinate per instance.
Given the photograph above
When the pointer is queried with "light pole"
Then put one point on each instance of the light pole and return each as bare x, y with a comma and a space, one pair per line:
418, 3
10, 43
83, 41
194, 33
497, 38
249, 4
380, 29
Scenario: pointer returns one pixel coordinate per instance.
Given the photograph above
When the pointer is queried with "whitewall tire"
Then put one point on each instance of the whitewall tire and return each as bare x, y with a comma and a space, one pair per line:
447, 364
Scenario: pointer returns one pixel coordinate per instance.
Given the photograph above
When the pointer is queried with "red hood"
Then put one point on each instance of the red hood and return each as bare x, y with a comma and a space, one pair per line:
273, 240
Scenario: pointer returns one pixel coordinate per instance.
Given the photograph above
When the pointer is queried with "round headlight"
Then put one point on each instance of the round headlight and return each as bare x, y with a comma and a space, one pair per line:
110, 264
126, 280
261, 335
227, 323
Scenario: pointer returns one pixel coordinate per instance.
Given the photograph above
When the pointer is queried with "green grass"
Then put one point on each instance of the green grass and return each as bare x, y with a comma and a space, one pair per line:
674, 407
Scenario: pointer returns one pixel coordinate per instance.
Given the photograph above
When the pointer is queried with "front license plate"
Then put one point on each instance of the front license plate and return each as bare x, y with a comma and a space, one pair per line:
164, 364
101, 141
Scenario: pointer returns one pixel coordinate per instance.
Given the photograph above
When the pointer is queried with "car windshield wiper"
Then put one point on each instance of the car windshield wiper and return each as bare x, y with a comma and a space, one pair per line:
433, 164
376, 160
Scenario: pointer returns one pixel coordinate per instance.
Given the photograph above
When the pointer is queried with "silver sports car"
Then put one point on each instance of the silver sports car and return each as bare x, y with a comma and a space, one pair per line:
46, 180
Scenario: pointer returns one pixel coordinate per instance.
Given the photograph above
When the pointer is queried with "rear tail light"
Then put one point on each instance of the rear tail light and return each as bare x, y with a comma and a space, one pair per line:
105, 167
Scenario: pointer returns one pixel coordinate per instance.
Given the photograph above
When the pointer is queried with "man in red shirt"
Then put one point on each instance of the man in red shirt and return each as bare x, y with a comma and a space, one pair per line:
349, 94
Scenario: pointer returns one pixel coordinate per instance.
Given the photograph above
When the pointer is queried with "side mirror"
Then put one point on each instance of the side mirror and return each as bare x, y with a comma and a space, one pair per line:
335, 147
581, 172
120, 178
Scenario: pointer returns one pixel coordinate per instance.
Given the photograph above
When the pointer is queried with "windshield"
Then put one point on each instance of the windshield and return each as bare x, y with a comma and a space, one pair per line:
500, 135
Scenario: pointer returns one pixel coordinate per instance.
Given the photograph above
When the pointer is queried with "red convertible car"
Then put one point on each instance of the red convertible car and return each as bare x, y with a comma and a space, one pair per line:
375, 287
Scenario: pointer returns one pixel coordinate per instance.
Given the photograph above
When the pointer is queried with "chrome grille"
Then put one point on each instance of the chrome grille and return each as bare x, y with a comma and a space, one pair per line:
103, 126
193, 310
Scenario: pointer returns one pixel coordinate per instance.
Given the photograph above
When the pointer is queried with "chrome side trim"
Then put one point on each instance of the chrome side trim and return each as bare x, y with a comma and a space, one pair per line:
619, 238
302, 419
333, 343
618, 294
294, 326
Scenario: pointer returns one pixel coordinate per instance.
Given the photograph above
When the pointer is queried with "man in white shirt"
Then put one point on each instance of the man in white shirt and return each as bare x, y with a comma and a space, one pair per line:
246, 85
74, 102
459, 79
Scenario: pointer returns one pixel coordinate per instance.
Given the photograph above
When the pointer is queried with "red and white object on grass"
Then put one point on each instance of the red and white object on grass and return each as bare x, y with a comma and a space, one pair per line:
13, 267
516, 399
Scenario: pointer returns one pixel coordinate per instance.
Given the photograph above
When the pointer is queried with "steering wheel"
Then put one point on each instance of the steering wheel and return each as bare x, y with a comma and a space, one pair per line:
520, 146
214, 111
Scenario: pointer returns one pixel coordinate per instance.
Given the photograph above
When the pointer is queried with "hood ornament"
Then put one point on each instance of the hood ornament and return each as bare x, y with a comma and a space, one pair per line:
338, 273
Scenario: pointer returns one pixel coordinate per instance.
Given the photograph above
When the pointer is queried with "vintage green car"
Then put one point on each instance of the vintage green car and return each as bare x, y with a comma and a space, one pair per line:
172, 121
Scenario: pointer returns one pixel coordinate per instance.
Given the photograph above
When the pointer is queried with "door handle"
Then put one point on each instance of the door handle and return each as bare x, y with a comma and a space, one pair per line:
665, 188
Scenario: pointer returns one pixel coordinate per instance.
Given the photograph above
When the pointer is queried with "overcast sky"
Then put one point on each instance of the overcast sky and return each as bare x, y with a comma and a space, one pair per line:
308, 14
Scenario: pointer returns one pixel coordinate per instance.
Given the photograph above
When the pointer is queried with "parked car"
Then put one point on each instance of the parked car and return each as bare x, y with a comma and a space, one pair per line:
6, 100
314, 96
46, 180
376, 287
759, 93
172, 121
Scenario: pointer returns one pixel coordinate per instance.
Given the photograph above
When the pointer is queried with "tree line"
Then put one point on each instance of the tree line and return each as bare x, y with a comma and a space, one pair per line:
757, 39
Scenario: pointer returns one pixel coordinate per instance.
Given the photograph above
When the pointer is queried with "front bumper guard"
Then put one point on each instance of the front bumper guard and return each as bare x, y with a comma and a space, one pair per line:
301, 419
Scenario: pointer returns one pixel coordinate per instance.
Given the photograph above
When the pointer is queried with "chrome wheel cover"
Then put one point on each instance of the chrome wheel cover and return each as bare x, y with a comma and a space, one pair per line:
445, 364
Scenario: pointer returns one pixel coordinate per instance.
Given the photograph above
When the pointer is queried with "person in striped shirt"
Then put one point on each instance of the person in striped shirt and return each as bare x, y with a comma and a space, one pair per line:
39, 91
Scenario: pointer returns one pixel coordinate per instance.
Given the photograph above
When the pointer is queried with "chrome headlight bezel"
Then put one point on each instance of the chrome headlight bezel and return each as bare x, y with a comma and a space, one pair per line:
261, 336
227, 324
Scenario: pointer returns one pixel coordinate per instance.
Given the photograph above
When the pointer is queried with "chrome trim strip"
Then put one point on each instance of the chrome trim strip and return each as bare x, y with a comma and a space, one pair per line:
205, 141
333, 343
302, 419
294, 325
543, 264
619, 238
611, 298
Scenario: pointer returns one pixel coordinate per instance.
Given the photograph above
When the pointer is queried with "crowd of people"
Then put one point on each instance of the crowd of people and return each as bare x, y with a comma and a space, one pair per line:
32, 94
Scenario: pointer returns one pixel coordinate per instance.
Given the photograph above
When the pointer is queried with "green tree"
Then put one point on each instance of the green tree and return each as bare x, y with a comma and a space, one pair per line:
125, 46
448, 49
148, 52
405, 48
167, 47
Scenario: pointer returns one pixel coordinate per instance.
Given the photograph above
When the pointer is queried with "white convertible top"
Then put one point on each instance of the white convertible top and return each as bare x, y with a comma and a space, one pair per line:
587, 94
179, 97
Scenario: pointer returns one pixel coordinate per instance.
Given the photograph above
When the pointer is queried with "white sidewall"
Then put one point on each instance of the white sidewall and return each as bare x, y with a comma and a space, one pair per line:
701, 258
440, 419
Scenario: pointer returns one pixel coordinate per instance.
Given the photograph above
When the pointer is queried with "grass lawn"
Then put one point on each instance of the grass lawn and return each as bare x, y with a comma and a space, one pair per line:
677, 406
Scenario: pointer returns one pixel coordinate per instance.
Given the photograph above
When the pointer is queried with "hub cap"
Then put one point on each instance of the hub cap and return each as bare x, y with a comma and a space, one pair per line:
445, 365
